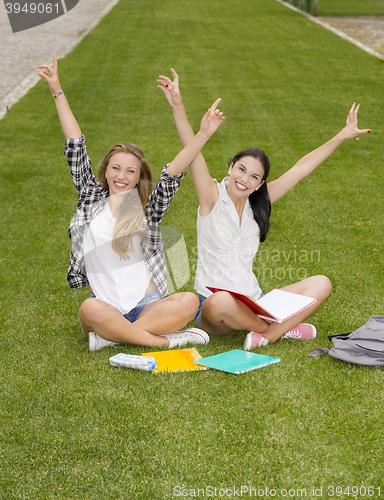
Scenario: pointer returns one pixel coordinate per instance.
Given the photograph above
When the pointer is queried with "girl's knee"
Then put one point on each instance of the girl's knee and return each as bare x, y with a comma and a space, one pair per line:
326, 285
187, 303
221, 302
85, 309
323, 286
191, 300
90, 310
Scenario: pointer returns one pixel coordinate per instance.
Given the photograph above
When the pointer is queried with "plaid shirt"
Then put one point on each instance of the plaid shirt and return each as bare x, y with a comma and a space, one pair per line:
92, 200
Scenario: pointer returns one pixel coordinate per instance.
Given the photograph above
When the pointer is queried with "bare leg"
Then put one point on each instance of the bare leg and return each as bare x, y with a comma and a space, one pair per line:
163, 316
221, 313
318, 287
169, 314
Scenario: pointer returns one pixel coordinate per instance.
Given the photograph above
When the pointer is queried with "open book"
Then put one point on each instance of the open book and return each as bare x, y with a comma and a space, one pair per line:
276, 306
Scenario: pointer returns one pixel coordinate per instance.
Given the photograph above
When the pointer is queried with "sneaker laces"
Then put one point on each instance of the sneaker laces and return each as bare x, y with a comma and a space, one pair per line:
262, 342
293, 334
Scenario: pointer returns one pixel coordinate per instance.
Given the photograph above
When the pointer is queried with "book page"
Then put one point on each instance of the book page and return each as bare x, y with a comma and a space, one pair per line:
283, 304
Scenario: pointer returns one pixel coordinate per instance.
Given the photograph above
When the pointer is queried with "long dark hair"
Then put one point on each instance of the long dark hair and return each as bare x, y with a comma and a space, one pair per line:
259, 200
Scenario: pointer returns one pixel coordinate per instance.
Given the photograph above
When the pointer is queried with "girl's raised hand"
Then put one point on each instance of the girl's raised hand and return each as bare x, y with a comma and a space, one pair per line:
212, 119
170, 88
50, 76
351, 129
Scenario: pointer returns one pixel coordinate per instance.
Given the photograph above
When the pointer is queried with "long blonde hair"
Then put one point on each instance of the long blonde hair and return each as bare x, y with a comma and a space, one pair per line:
130, 215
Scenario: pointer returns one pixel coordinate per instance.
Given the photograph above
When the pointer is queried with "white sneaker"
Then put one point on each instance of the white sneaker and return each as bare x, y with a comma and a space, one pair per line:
95, 342
189, 336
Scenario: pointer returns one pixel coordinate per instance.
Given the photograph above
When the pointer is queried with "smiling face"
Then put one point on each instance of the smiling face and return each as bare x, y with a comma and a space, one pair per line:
245, 176
122, 173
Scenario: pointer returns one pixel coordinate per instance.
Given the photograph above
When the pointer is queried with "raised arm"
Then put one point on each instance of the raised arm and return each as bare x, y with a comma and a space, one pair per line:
68, 122
307, 164
211, 121
172, 93
205, 186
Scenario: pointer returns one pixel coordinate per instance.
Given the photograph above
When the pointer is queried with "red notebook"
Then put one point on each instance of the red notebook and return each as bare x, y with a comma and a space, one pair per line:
276, 306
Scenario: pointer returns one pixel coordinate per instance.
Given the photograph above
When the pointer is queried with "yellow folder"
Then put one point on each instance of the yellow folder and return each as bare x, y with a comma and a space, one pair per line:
176, 360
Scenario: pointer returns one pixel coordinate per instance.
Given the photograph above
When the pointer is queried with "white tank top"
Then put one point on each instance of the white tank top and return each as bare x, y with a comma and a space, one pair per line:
120, 283
226, 248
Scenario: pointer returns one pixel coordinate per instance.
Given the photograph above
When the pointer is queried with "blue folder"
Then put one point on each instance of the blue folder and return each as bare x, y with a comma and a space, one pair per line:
237, 361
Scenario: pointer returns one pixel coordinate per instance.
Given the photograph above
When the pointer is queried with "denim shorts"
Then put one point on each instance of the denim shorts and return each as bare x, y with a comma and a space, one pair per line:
134, 313
202, 299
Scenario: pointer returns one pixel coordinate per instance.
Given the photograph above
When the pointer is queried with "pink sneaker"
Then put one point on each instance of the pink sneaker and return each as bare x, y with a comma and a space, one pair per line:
304, 331
254, 339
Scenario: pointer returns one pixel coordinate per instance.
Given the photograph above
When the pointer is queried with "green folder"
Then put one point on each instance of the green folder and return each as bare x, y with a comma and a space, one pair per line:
237, 361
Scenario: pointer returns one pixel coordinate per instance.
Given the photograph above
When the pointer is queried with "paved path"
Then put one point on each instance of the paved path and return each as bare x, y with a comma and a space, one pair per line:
22, 52
368, 30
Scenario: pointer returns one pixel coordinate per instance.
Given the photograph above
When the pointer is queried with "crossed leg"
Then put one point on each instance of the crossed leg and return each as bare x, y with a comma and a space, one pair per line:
158, 318
221, 313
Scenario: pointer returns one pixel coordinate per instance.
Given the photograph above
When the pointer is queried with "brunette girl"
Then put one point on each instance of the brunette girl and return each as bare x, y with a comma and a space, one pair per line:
233, 218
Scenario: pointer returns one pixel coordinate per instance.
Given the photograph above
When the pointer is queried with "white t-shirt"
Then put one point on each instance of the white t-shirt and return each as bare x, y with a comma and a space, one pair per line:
226, 248
120, 283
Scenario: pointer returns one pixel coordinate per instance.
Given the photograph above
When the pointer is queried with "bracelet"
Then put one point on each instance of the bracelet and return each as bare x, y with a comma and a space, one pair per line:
58, 93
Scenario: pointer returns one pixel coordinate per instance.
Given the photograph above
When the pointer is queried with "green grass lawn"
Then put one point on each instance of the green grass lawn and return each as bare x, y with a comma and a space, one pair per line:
73, 427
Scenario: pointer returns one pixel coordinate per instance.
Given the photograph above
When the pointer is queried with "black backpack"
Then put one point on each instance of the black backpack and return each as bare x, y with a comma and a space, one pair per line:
364, 346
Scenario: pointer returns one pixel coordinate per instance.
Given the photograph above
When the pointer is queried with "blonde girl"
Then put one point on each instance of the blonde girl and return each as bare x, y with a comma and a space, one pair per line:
116, 241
